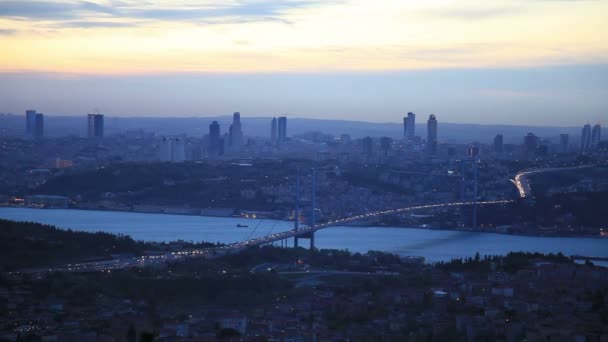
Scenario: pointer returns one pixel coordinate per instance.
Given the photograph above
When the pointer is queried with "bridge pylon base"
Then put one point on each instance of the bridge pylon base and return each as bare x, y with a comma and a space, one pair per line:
309, 236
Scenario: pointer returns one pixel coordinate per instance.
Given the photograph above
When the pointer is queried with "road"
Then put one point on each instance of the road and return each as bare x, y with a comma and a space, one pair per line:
522, 183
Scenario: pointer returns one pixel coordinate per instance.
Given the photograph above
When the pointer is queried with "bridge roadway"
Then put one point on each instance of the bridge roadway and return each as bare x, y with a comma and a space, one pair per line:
214, 252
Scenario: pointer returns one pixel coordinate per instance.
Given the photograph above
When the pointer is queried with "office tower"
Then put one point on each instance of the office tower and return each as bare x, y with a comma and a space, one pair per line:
410, 123
405, 128
385, 145
30, 122
282, 130
563, 143
498, 144
178, 150
226, 144
431, 138
215, 143
586, 138
531, 143
172, 150
474, 150
95, 126
165, 150
367, 145
235, 134
39, 126
273, 130
596, 135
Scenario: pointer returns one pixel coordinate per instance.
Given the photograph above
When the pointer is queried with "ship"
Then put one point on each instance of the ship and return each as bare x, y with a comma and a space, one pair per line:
242, 225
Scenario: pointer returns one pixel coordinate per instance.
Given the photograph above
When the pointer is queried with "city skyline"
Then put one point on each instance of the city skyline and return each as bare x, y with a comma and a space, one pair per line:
476, 61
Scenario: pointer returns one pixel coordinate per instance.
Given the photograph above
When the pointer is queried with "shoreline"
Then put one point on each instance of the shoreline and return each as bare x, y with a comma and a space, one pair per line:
365, 225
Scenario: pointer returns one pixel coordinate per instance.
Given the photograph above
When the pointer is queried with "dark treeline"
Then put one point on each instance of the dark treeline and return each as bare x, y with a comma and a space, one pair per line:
28, 244
511, 262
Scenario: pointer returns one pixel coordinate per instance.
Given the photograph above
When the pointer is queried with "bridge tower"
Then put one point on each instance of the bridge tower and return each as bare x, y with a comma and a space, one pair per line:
465, 184
296, 221
310, 235
314, 203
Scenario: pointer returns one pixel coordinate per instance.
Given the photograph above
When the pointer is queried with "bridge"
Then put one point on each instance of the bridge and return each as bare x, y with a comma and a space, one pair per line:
214, 252
309, 230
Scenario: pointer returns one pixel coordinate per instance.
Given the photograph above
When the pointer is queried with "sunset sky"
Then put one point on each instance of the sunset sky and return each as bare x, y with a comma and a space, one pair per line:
510, 61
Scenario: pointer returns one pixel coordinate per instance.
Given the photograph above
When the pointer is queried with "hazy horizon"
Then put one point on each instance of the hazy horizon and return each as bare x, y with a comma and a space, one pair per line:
519, 62
555, 96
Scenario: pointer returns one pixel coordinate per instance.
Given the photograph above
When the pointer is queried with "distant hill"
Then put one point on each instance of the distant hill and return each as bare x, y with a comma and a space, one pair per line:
14, 125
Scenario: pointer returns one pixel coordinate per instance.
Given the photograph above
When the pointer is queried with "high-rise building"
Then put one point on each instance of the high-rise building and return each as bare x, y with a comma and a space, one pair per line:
165, 149
235, 134
564, 143
225, 144
172, 150
586, 138
385, 145
410, 126
178, 150
405, 128
282, 129
498, 144
39, 126
95, 126
431, 137
531, 143
273, 130
596, 135
30, 122
215, 140
367, 146
474, 150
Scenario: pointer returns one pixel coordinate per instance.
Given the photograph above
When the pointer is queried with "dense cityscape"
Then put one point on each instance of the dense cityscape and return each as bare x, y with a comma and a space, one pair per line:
303, 171
544, 186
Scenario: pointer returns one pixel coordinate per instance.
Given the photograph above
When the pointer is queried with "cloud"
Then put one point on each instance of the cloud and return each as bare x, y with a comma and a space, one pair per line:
88, 14
476, 13
50, 10
7, 32
94, 24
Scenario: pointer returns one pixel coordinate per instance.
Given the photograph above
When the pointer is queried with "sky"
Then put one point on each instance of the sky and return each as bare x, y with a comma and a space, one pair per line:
540, 62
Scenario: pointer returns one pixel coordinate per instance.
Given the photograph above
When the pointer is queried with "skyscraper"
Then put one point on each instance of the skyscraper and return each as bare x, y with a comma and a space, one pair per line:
367, 146
178, 150
586, 138
531, 143
405, 128
236, 134
215, 141
172, 150
30, 122
410, 124
564, 143
282, 130
596, 135
431, 138
95, 126
39, 126
273, 130
165, 150
498, 144
385, 145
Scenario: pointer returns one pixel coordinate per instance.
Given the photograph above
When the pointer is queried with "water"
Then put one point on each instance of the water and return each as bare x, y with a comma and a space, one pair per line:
434, 245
